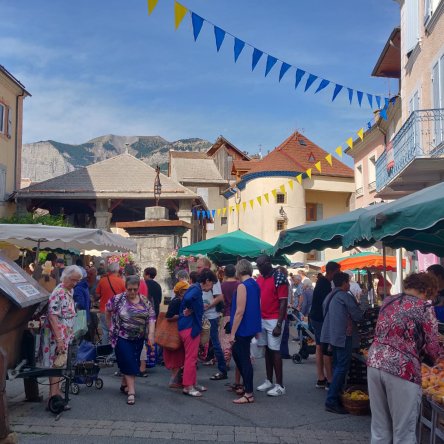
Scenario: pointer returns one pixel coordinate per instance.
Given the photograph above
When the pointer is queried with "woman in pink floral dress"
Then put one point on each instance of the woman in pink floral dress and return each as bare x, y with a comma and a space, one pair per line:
405, 335
60, 322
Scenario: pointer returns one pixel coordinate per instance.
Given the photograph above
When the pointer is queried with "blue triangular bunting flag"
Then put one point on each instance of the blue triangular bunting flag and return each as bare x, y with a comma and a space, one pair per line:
284, 68
271, 61
370, 100
378, 101
387, 102
324, 83
238, 47
219, 34
310, 80
369, 125
299, 74
197, 24
383, 113
359, 94
213, 213
336, 91
257, 54
350, 95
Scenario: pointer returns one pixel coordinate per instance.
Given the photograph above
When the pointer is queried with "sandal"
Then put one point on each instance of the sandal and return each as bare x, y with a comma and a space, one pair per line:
192, 392
240, 390
219, 376
124, 389
131, 399
234, 387
200, 388
244, 399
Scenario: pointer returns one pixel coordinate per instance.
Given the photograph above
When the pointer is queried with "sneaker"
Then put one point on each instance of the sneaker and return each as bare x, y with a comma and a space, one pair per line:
265, 386
336, 409
277, 390
327, 385
321, 384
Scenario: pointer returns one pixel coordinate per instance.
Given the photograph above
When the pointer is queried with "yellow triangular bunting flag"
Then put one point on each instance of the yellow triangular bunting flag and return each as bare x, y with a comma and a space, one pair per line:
339, 151
237, 207
244, 205
309, 173
274, 193
179, 13
251, 203
151, 5
290, 184
231, 208
259, 199
360, 133
299, 178
266, 197
218, 212
329, 159
349, 142
224, 211
318, 166
282, 188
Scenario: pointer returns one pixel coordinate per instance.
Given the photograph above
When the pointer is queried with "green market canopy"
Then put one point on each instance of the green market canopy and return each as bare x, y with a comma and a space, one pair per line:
325, 233
228, 248
413, 222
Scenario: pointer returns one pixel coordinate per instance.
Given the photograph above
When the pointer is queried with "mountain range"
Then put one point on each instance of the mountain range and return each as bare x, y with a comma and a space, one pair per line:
46, 159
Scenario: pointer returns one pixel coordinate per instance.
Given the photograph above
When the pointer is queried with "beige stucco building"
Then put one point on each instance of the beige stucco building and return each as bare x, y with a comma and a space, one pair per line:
326, 193
12, 94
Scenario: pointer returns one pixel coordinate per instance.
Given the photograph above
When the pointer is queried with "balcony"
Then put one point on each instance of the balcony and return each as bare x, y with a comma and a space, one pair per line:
372, 186
359, 192
416, 157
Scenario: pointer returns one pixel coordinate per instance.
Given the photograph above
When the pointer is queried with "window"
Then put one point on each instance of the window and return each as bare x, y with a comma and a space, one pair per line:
372, 173
281, 224
411, 25
280, 198
2, 183
438, 98
311, 212
223, 220
2, 118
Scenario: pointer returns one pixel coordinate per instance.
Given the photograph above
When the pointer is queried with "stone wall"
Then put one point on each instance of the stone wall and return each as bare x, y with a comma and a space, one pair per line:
152, 251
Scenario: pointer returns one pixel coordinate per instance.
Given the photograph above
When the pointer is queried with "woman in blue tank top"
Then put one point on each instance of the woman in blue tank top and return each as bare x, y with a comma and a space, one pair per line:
245, 323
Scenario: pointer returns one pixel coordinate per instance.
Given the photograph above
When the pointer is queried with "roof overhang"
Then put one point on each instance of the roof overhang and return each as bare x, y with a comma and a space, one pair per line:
389, 62
14, 80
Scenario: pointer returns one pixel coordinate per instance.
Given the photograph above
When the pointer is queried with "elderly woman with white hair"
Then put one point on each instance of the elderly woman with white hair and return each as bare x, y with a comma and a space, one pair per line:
60, 320
131, 319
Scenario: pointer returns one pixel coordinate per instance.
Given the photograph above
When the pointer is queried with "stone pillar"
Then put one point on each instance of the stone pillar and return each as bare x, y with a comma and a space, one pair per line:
102, 214
186, 215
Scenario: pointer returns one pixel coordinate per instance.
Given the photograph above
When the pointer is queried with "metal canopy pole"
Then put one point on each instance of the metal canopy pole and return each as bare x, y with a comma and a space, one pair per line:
384, 261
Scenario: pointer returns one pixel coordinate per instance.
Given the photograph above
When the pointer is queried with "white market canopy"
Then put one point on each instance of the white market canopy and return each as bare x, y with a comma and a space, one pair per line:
46, 236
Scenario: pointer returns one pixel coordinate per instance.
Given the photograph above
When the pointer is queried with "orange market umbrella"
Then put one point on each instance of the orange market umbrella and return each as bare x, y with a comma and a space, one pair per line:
367, 260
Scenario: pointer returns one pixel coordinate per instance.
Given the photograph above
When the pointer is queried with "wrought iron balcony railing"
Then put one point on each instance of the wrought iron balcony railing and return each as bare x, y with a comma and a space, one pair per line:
359, 192
372, 186
421, 136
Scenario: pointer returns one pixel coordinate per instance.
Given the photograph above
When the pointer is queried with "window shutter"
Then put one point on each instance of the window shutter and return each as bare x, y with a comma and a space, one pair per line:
2, 183
412, 24
2, 118
9, 122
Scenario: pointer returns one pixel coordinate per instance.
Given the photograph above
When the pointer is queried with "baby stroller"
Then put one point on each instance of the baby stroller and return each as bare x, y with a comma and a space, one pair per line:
89, 360
307, 343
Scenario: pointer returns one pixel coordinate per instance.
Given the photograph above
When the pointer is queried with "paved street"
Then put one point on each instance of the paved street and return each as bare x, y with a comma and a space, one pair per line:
164, 415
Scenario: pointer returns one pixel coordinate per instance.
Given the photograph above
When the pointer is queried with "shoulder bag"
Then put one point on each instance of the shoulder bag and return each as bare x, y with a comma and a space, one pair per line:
167, 333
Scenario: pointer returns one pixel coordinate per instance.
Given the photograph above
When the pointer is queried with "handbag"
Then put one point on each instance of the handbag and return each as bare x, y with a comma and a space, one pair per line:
167, 333
61, 359
205, 333
80, 325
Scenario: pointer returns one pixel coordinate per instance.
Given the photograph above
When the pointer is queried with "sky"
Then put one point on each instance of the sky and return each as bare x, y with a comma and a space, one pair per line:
106, 67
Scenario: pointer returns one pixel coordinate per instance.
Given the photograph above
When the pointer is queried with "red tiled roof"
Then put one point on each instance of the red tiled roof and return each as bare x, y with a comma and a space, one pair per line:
244, 165
297, 153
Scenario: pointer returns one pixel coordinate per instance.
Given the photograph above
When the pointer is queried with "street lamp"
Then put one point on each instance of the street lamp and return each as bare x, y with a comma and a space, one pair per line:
157, 186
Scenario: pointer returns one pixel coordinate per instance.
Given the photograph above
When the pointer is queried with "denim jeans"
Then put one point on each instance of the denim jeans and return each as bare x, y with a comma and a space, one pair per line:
341, 364
104, 328
241, 356
214, 336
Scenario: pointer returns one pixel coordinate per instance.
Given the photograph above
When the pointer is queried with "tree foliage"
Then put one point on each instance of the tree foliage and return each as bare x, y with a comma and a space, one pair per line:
32, 218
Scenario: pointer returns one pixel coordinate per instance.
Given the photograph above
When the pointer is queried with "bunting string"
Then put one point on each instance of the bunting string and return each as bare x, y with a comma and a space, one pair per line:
300, 75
